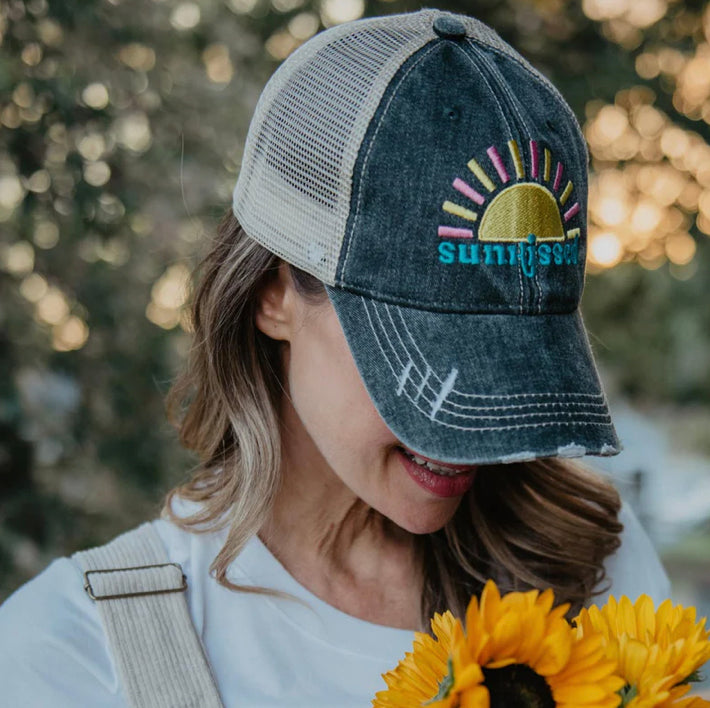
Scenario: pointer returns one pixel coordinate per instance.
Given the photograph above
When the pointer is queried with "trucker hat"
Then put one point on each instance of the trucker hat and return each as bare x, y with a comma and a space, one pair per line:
436, 183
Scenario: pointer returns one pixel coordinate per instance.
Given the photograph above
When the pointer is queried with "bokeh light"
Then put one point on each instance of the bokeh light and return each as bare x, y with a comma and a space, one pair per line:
138, 56
70, 334
281, 44
95, 95
242, 7
334, 12
218, 65
33, 287
46, 234
185, 16
303, 25
11, 192
286, 5
648, 173
168, 296
133, 132
605, 249
17, 258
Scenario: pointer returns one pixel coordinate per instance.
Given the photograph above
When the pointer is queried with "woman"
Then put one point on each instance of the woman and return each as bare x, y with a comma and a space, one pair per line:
388, 375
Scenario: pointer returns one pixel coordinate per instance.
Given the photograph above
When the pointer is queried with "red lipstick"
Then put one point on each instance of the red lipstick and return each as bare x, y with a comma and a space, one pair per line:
438, 484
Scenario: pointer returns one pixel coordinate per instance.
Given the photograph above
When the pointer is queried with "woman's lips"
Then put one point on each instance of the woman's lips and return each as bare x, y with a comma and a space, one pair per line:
437, 462
438, 484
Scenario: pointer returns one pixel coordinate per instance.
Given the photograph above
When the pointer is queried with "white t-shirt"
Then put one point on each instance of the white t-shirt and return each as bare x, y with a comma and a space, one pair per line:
265, 652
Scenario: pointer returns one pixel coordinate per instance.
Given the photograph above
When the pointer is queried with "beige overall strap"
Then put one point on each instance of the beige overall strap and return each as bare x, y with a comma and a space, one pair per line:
140, 596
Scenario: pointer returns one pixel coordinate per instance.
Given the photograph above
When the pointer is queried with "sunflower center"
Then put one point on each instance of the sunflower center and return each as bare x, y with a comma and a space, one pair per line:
517, 686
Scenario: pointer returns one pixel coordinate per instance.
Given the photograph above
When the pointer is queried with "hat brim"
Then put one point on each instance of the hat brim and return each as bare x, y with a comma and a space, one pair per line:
479, 388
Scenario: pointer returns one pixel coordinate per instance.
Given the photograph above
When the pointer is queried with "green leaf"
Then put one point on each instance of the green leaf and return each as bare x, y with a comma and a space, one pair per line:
445, 684
627, 693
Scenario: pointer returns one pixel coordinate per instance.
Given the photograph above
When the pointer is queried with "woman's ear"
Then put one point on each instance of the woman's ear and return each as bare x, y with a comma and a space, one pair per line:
275, 310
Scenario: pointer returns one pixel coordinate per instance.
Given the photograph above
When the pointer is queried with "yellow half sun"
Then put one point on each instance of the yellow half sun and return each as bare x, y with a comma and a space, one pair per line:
520, 210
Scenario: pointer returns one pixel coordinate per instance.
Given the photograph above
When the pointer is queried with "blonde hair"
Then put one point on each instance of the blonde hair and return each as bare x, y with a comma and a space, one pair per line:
544, 523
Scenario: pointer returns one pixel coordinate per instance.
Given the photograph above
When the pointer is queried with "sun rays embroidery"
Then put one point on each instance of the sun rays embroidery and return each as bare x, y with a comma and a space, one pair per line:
510, 225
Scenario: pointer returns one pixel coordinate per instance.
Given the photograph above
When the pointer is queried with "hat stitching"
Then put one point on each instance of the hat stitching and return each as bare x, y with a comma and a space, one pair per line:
534, 202
443, 306
514, 105
549, 404
403, 377
518, 416
556, 95
486, 428
586, 406
520, 283
565, 194
457, 209
517, 162
461, 393
517, 159
495, 158
369, 149
545, 83
424, 382
429, 371
511, 100
558, 177
497, 162
447, 386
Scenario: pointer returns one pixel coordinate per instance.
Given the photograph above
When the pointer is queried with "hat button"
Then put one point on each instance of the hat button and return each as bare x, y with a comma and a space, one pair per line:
449, 27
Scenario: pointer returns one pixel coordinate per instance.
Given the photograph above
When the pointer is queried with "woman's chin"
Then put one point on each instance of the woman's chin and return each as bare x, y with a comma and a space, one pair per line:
428, 518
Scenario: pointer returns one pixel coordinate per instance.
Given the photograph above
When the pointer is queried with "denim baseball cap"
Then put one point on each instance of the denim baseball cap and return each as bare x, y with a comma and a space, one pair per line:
437, 184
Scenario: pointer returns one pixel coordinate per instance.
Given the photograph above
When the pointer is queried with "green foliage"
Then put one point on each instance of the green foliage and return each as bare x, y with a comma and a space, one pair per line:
651, 331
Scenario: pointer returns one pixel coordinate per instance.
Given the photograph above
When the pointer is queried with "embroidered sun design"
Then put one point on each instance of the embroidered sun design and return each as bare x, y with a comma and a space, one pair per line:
521, 213
538, 206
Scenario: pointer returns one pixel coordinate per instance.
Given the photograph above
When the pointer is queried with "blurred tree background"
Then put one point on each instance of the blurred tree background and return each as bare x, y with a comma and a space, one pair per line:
121, 129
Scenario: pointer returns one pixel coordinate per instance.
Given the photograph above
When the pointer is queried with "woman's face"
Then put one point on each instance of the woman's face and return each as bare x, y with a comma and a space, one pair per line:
331, 426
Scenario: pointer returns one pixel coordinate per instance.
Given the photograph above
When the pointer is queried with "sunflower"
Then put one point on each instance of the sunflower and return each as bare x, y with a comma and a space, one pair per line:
516, 652
433, 674
531, 656
658, 652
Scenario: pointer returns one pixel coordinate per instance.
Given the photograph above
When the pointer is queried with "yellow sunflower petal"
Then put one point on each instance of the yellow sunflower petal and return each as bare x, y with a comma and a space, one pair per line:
525, 628
556, 653
546, 600
691, 702
475, 698
656, 650
612, 701
506, 637
416, 678
597, 671
588, 693
531, 646
468, 677
634, 655
489, 605
645, 618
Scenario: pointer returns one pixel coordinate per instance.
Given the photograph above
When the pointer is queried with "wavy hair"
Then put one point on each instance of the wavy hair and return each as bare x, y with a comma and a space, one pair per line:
542, 523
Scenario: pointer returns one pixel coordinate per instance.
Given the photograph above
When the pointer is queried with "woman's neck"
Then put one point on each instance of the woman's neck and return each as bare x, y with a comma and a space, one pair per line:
343, 550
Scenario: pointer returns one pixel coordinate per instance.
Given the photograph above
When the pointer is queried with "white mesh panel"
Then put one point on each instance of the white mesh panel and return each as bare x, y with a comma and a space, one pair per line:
293, 191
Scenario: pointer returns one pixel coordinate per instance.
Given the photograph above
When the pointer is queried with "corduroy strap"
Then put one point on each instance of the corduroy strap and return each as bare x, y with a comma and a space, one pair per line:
140, 597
